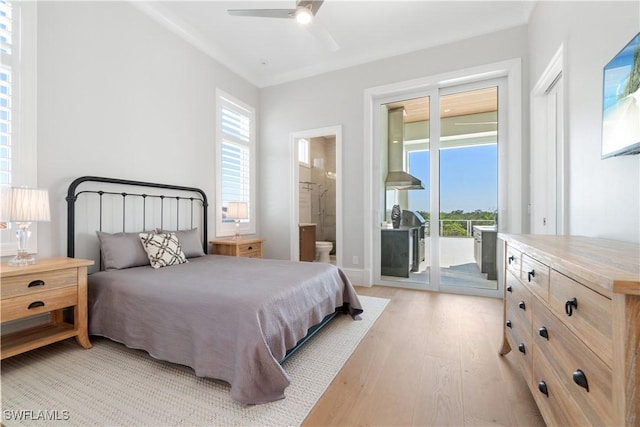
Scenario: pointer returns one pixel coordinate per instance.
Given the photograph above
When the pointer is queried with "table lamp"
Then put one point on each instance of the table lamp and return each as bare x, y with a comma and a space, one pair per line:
238, 211
24, 206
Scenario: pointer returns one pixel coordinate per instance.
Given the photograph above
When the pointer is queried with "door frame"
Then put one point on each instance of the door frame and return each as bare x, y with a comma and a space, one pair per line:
335, 131
548, 185
510, 188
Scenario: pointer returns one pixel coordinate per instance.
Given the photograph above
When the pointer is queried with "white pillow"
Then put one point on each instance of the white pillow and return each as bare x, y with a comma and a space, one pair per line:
163, 249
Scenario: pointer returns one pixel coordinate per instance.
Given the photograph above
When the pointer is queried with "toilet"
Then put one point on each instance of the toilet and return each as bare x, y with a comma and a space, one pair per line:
323, 249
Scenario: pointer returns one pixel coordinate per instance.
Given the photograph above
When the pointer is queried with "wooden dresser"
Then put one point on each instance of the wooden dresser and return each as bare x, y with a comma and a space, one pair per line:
243, 247
48, 286
572, 313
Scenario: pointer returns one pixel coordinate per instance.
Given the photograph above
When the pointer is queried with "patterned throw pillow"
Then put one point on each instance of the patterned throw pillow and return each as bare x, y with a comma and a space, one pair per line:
163, 249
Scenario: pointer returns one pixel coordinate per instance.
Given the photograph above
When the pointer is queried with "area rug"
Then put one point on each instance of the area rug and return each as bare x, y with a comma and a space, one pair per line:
111, 385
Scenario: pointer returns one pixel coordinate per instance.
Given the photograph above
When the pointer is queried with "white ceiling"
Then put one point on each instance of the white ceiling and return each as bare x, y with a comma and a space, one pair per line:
269, 51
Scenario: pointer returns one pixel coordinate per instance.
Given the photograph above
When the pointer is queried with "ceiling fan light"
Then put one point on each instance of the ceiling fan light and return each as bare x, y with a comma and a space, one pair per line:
303, 15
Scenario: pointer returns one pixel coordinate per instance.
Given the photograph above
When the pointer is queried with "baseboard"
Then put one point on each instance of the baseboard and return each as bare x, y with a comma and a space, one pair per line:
358, 277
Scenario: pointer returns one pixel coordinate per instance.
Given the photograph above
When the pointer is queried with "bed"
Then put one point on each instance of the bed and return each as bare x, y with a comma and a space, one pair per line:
228, 318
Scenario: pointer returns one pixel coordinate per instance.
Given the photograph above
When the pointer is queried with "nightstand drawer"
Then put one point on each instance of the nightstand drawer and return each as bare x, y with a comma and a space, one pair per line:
244, 247
250, 250
42, 302
38, 282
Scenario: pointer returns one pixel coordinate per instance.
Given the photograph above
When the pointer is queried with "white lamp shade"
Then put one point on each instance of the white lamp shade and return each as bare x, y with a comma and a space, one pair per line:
238, 210
24, 205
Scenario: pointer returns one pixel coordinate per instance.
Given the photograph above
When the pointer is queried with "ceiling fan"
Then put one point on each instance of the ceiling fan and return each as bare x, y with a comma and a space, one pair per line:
304, 13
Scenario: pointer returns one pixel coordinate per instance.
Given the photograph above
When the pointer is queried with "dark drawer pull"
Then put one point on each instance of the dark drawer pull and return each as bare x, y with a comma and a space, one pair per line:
570, 305
542, 386
250, 247
509, 289
581, 379
531, 274
511, 258
544, 333
508, 323
36, 283
522, 305
521, 348
35, 304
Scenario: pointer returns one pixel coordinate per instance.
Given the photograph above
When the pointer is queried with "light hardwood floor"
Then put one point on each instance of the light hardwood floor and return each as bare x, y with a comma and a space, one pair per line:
430, 359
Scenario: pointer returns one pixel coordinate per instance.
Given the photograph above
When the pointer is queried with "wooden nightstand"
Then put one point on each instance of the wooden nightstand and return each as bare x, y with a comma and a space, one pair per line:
48, 286
249, 248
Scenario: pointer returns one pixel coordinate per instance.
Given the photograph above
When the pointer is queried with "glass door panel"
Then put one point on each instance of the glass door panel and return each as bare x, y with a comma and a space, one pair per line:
404, 247
468, 189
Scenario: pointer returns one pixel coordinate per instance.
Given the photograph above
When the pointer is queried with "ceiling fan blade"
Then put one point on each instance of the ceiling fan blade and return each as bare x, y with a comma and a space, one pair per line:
323, 35
264, 13
313, 5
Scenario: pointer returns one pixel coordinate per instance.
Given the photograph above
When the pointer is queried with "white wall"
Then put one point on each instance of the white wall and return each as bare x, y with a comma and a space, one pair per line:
337, 98
604, 195
120, 96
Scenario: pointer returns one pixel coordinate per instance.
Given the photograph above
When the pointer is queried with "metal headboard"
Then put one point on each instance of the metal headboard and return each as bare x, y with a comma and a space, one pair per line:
193, 198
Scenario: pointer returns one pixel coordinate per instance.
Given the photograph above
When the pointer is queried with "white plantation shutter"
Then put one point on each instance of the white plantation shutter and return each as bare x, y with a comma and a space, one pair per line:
18, 106
235, 161
5, 91
5, 125
235, 170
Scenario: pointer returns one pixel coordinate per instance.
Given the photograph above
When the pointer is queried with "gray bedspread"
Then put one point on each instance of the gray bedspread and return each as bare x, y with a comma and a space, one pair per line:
228, 318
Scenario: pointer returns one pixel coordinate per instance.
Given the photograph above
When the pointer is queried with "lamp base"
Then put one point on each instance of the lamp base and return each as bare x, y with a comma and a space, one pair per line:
22, 259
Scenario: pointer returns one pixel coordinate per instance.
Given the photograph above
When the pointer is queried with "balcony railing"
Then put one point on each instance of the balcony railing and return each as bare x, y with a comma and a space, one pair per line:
458, 227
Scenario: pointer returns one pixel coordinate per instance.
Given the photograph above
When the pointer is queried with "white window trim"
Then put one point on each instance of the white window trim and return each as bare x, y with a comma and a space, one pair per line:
24, 112
304, 151
225, 229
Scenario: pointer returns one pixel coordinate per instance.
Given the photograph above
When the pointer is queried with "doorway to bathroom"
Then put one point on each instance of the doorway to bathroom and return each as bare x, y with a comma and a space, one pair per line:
316, 206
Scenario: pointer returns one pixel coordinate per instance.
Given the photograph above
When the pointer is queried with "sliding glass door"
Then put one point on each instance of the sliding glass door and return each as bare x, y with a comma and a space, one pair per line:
446, 237
468, 189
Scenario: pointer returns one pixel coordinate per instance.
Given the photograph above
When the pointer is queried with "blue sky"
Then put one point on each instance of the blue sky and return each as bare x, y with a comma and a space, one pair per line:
468, 179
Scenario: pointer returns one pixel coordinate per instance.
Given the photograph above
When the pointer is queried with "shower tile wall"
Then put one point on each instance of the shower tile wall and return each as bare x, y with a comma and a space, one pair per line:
304, 195
323, 192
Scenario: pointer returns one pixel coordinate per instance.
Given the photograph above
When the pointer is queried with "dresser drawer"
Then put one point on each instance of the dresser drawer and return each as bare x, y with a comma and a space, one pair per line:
567, 355
556, 405
37, 282
536, 275
513, 260
41, 302
519, 300
519, 337
590, 320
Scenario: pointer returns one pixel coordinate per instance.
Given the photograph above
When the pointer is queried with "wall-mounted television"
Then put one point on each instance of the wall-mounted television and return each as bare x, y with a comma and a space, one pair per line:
621, 102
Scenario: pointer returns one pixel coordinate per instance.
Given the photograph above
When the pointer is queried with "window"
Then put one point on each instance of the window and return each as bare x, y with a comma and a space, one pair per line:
235, 160
18, 99
5, 92
303, 152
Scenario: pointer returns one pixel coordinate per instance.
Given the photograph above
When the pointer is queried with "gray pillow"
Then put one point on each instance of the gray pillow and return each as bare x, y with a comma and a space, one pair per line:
189, 240
121, 250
